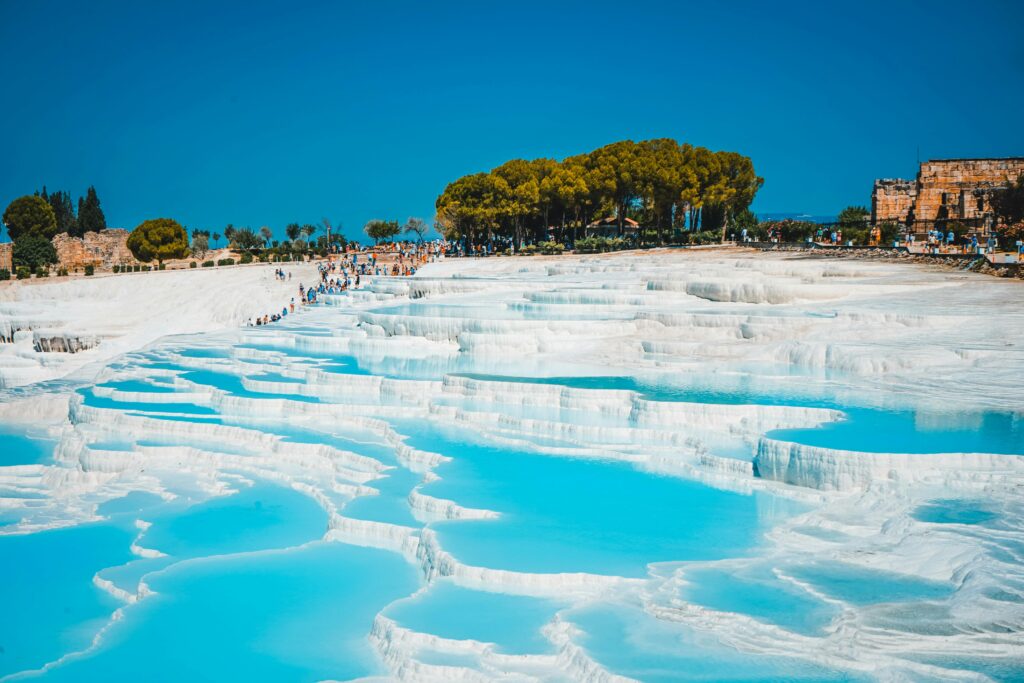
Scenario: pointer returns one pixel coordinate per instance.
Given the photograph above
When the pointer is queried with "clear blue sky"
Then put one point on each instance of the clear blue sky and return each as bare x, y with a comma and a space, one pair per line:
260, 113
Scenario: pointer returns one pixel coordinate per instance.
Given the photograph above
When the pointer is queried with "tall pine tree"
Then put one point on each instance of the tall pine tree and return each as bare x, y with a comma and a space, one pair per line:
90, 215
64, 211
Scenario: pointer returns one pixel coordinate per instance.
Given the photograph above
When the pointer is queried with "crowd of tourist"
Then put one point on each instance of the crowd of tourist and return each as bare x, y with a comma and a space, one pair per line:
337, 275
938, 243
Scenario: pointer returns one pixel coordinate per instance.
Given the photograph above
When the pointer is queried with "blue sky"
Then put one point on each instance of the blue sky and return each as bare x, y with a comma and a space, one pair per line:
261, 113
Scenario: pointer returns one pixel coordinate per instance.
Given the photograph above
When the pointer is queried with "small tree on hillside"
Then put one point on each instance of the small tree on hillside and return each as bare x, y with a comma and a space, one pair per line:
378, 230
267, 234
200, 244
245, 239
159, 239
417, 227
30, 215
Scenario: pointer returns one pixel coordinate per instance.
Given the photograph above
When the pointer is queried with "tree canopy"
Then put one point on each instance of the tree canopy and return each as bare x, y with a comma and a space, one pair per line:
200, 244
90, 215
158, 239
30, 215
63, 211
415, 226
660, 183
854, 217
33, 250
379, 230
245, 239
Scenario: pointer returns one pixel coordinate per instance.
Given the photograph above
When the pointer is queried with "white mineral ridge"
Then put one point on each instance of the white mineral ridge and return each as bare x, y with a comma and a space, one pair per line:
123, 312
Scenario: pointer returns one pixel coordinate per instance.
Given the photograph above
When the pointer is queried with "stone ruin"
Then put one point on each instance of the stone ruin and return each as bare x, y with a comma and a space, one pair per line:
6, 256
102, 250
945, 189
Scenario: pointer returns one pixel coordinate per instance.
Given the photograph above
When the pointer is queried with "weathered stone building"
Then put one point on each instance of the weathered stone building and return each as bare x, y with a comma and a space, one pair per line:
945, 189
102, 249
6, 256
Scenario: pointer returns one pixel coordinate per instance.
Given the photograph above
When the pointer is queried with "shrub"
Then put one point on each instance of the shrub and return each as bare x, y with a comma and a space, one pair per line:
207, 264
551, 248
856, 235
591, 245
528, 250
116, 268
24, 273
5, 274
137, 267
226, 262
246, 258
33, 250
162, 266
192, 264
705, 237
147, 268
158, 239
89, 269
42, 271
889, 233
789, 230
62, 272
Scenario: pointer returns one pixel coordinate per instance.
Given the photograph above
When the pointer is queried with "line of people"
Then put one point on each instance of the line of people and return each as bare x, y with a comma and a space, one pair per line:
268, 318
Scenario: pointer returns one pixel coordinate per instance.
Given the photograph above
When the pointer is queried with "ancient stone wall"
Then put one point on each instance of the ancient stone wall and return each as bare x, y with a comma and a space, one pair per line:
6, 256
102, 249
960, 188
892, 199
945, 189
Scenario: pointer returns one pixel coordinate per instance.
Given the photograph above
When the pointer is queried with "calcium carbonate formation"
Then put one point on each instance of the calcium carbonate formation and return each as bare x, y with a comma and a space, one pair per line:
725, 352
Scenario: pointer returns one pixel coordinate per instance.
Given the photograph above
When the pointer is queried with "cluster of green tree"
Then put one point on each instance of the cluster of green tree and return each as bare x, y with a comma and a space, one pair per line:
31, 224
661, 184
262, 242
853, 223
386, 231
89, 217
33, 220
300, 239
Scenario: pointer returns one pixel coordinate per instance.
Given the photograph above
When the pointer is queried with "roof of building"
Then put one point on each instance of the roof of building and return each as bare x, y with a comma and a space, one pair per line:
612, 220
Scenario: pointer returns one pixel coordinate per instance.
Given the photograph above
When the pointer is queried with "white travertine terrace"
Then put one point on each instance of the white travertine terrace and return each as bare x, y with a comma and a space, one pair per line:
868, 333
101, 317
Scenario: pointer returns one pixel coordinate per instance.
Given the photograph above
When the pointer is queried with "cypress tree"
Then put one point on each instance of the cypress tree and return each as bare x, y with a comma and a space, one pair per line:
64, 211
90, 215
